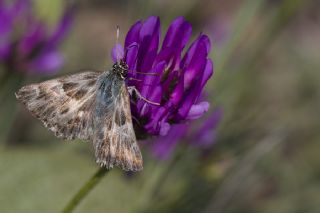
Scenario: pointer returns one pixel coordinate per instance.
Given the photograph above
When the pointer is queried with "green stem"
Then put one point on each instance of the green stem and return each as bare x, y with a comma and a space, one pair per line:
84, 190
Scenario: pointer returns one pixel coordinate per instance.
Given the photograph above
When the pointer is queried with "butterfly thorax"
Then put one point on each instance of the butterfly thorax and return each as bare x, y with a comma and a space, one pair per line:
120, 69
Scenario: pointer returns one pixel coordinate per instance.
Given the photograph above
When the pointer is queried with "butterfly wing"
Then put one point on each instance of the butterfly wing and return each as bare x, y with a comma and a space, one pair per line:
64, 105
88, 106
114, 138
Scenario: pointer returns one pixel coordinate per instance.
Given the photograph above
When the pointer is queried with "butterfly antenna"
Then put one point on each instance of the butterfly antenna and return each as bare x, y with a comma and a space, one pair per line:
145, 73
134, 79
148, 73
117, 40
118, 33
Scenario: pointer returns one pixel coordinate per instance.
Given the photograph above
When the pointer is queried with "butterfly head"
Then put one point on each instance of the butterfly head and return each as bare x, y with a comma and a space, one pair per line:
120, 68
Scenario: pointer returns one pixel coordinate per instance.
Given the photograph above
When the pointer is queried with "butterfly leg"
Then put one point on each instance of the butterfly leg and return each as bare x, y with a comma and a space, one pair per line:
132, 89
134, 79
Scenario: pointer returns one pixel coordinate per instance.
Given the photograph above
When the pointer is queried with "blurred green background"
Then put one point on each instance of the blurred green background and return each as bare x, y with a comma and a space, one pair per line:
266, 154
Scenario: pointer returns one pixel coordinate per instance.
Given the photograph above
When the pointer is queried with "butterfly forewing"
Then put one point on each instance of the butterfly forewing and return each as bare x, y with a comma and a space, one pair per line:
64, 105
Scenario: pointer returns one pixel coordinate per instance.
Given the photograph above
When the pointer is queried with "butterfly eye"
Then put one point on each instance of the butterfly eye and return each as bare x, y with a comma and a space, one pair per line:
124, 74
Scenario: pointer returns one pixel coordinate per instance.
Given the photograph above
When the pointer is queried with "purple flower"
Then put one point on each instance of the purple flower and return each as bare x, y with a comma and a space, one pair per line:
26, 43
201, 136
180, 77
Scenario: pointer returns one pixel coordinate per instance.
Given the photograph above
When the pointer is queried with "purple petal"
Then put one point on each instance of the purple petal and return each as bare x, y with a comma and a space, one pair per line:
178, 34
46, 63
177, 94
131, 55
62, 28
206, 40
208, 72
197, 110
203, 40
206, 133
173, 76
156, 95
195, 61
190, 98
133, 34
164, 128
150, 27
149, 41
117, 53
146, 57
147, 109
151, 90
150, 81
32, 39
167, 55
163, 147
153, 127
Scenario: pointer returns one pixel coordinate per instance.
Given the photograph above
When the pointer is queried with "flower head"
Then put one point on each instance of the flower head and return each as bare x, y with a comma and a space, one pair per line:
179, 80
26, 43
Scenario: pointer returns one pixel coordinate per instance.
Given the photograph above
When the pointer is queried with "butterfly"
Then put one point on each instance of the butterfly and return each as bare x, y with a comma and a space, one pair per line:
92, 106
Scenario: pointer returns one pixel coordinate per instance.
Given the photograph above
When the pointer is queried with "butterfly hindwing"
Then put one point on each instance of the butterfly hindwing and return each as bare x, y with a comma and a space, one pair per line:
64, 105
115, 144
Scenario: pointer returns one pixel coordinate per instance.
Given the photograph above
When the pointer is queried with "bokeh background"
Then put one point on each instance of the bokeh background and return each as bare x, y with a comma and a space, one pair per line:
264, 153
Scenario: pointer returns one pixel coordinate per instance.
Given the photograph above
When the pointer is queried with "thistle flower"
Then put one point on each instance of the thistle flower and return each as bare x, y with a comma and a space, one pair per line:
179, 80
26, 43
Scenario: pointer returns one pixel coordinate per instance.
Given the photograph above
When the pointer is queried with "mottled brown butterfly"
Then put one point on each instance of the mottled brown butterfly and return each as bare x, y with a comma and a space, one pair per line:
91, 106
